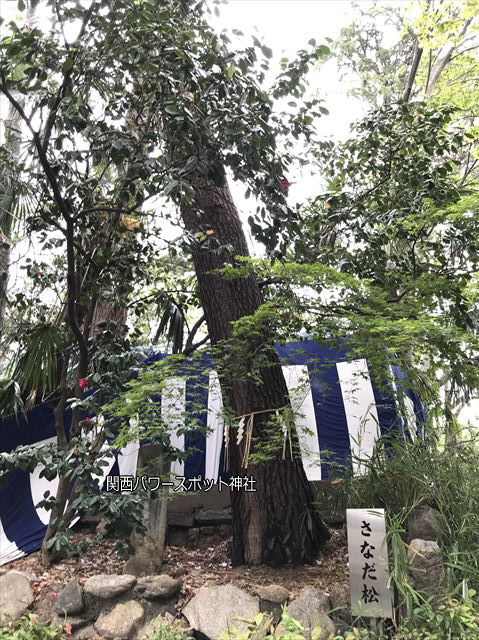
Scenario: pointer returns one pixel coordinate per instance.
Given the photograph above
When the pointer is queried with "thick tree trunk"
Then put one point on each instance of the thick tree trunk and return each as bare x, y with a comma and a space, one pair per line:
278, 522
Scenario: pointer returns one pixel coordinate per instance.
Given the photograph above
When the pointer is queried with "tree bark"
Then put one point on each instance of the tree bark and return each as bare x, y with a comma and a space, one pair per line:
277, 523
416, 59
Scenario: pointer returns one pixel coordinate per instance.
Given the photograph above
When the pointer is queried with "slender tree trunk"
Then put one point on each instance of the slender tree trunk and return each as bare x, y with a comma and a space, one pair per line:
277, 523
441, 62
416, 59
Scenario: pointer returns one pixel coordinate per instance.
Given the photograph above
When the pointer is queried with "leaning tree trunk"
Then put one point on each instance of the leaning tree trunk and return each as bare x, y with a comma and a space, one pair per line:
277, 523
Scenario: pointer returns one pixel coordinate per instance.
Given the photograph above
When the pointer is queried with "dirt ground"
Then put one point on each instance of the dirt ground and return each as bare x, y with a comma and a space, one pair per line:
209, 566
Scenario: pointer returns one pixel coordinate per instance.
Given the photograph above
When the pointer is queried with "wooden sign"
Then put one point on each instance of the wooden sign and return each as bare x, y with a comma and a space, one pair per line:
368, 563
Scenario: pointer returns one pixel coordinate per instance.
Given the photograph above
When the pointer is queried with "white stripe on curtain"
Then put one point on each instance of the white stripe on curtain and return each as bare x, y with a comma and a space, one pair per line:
299, 387
215, 423
38, 486
173, 403
360, 409
128, 459
410, 416
8, 549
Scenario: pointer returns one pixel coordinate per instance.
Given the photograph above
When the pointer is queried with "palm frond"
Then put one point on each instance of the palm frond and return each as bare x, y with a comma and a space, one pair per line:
35, 366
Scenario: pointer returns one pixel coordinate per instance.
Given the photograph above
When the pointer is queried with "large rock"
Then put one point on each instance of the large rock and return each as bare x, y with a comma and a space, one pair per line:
16, 596
70, 601
154, 587
425, 524
212, 609
31, 577
272, 597
108, 586
310, 610
426, 568
121, 622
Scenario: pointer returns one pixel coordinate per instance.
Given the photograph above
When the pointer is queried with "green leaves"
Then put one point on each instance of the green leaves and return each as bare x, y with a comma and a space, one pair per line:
267, 52
35, 367
68, 64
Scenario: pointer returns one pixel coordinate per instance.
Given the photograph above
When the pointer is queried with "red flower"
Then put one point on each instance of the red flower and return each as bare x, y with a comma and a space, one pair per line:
68, 628
285, 184
83, 383
34, 618
88, 423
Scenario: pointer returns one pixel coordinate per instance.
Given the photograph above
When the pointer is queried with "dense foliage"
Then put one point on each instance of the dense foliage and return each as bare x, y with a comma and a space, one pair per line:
116, 128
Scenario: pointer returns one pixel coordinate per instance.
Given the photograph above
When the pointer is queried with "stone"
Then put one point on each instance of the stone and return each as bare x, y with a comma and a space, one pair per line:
86, 633
273, 593
425, 524
340, 598
70, 600
310, 610
166, 620
154, 587
16, 596
272, 598
121, 622
209, 530
102, 527
213, 517
108, 586
183, 519
426, 568
31, 577
211, 611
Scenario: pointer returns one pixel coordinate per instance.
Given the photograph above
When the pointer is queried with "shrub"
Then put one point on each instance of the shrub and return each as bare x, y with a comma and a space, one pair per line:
29, 627
401, 477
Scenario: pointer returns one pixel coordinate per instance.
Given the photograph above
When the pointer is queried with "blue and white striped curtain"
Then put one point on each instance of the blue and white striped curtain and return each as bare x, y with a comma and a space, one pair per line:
340, 415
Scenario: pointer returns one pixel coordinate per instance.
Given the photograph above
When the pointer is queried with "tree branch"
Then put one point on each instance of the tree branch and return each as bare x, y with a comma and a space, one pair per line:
72, 55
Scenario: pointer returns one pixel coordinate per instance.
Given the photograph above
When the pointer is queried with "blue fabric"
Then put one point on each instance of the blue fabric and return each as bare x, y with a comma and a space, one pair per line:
20, 521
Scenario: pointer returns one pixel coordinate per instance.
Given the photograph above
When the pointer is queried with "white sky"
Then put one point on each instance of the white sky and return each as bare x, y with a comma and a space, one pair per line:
286, 26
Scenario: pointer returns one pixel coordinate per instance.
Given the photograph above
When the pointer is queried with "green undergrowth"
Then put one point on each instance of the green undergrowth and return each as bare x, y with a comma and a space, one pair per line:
30, 627
403, 477
454, 620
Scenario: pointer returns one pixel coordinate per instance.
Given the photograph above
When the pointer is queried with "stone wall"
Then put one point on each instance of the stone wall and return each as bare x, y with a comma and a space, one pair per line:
129, 608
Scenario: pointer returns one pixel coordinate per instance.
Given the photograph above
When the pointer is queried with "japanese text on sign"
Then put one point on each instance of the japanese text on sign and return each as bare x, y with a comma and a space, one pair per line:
368, 563
198, 483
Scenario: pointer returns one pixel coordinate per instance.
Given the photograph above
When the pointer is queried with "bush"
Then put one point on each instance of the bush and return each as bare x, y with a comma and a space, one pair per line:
401, 477
261, 628
31, 628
